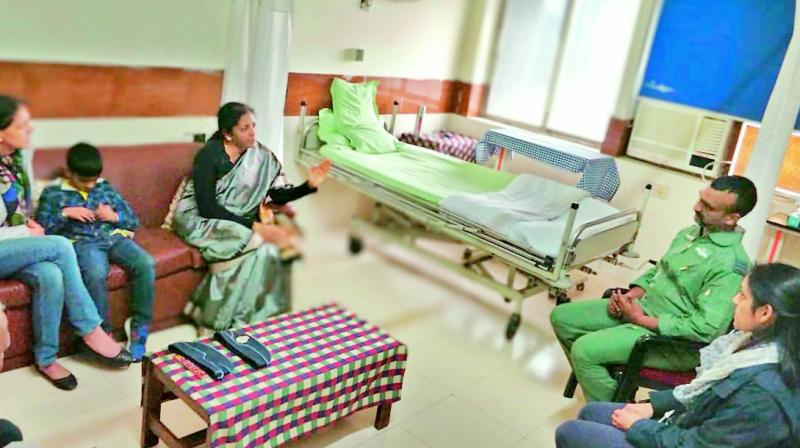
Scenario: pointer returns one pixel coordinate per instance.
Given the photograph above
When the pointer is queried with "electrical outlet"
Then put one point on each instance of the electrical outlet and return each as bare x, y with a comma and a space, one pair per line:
660, 191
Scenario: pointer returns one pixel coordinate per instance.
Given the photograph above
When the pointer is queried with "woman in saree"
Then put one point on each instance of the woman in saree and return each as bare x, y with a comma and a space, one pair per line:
747, 389
234, 181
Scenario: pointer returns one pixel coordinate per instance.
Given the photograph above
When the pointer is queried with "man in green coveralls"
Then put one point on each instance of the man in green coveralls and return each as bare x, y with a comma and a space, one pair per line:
687, 294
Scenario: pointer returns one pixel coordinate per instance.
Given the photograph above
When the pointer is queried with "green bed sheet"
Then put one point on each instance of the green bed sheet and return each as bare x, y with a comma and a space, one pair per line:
421, 173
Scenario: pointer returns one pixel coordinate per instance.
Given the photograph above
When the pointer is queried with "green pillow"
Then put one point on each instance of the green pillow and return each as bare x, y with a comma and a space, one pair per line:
328, 131
369, 139
354, 103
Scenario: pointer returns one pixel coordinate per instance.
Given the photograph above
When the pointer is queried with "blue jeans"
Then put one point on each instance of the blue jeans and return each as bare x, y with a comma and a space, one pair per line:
94, 258
592, 428
48, 265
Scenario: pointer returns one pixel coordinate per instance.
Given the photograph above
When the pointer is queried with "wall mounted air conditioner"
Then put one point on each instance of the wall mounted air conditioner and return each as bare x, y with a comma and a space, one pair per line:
681, 137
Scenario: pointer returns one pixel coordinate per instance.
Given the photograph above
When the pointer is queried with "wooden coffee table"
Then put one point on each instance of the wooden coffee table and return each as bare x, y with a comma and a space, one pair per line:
327, 364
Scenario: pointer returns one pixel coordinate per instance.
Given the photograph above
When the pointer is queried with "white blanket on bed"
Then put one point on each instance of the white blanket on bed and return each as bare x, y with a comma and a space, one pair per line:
526, 198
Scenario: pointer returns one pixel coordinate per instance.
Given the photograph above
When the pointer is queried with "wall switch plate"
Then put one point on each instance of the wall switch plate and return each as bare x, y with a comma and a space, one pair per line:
354, 54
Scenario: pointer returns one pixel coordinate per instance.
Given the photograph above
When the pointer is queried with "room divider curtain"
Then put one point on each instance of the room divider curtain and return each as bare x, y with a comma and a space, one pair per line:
257, 69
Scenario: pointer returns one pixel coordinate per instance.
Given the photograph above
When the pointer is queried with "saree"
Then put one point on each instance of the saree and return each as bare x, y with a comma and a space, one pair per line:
245, 283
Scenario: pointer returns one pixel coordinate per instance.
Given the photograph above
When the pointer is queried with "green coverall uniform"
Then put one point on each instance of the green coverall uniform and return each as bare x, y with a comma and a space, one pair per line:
689, 291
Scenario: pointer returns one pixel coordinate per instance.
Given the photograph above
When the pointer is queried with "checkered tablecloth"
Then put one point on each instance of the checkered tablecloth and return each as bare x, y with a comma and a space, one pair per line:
446, 142
327, 363
599, 171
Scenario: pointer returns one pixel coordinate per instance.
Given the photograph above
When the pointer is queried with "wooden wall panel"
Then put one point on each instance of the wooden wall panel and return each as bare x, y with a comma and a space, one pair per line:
82, 91
438, 96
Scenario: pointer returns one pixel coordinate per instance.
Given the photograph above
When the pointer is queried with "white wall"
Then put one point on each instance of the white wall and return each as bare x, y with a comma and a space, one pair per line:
174, 33
420, 40
477, 50
143, 33
60, 133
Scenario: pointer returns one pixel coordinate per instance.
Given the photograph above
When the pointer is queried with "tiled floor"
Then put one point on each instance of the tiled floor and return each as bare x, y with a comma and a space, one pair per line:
466, 386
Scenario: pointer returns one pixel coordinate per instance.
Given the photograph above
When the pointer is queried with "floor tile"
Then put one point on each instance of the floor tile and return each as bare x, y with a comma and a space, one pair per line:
394, 438
454, 423
516, 400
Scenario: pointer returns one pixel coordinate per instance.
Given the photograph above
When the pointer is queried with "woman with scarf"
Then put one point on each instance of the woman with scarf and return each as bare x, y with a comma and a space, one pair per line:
234, 181
747, 389
47, 264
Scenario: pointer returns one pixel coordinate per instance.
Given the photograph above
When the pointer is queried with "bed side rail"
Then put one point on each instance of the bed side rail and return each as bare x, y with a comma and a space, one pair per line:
616, 240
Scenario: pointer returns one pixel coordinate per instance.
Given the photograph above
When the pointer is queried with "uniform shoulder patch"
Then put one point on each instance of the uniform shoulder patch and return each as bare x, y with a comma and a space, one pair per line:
740, 266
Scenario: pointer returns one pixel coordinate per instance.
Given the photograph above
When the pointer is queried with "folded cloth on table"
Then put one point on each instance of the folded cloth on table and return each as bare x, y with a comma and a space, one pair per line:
246, 346
204, 356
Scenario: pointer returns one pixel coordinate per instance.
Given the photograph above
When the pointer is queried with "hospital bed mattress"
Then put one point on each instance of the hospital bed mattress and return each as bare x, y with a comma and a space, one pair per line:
427, 176
430, 177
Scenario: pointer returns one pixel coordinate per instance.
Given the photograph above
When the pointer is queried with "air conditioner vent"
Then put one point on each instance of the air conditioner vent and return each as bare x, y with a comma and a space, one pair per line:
712, 135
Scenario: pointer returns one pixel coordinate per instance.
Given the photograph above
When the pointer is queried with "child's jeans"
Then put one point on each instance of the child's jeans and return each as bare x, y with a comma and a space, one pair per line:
94, 259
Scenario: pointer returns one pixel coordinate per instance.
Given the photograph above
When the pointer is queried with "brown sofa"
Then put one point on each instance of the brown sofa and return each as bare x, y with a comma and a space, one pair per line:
147, 177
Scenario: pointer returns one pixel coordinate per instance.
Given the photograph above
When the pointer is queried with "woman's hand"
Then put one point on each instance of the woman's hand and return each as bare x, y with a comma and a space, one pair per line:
643, 409
274, 234
317, 174
35, 228
265, 214
625, 418
5, 336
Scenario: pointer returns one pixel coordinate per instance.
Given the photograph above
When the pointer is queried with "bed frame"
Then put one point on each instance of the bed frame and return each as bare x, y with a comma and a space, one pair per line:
400, 218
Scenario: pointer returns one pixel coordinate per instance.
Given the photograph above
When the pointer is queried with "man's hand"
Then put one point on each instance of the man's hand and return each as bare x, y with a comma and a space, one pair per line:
317, 174
35, 228
81, 214
631, 311
618, 298
625, 418
106, 213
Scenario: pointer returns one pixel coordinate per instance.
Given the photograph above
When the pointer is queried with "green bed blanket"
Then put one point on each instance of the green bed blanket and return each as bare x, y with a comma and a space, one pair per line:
418, 172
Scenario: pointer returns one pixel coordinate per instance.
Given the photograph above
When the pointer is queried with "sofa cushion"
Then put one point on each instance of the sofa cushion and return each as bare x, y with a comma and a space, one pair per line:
170, 253
14, 293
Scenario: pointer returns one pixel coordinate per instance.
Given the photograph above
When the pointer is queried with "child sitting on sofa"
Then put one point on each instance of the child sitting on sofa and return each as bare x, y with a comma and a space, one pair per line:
89, 211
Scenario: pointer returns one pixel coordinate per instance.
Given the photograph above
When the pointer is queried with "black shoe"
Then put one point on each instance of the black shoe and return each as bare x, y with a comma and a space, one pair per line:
69, 382
121, 361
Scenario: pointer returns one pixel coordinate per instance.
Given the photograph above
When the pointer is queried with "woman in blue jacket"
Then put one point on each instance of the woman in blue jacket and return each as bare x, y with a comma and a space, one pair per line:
746, 392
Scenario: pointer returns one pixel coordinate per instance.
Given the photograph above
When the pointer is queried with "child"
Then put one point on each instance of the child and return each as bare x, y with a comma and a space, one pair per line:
90, 212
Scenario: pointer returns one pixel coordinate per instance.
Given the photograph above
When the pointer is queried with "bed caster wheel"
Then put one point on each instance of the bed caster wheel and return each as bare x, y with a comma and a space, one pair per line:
356, 245
513, 326
580, 286
561, 299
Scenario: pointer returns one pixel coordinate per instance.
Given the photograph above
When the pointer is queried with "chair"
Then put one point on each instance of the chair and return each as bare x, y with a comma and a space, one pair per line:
634, 375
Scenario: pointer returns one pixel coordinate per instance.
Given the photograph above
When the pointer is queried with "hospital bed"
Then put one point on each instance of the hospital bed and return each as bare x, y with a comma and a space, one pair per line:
408, 188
